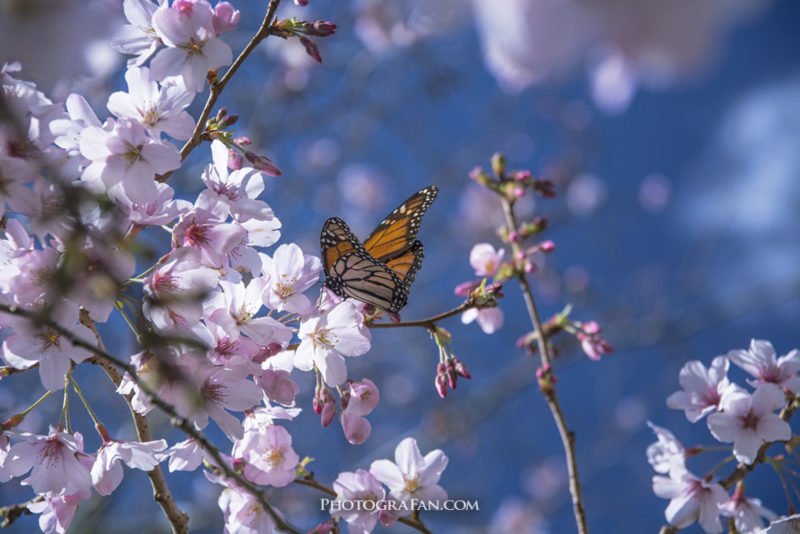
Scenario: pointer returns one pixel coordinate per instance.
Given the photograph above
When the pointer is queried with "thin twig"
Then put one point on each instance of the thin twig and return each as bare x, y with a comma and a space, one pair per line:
216, 88
567, 436
430, 322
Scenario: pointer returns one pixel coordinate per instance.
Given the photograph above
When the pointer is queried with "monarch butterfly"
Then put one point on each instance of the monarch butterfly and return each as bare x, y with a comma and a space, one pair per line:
379, 271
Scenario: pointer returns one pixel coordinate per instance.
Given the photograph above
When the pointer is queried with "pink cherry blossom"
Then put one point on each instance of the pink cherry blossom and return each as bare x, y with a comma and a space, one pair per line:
412, 476
268, 456
223, 389
192, 46
667, 454
59, 464
57, 511
107, 472
156, 108
186, 455
225, 17
288, 273
67, 132
138, 38
485, 259
787, 525
691, 499
208, 232
359, 486
175, 290
702, 388
760, 361
749, 421
747, 513
364, 397
489, 319
48, 347
235, 307
356, 428
126, 157
158, 211
325, 338
278, 387
243, 513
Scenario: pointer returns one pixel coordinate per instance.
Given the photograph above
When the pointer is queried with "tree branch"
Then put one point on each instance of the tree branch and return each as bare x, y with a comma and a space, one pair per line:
430, 322
567, 436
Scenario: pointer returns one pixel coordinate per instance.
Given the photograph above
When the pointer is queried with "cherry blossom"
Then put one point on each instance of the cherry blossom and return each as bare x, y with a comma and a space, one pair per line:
243, 513
703, 388
185, 455
138, 38
485, 259
489, 319
107, 472
787, 525
57, 511
187, 29
747, 513
268, 456
325, 338
760, 361
124, 156
749, 421
47, 346
289, 272
156, 108
667, 454
207, 232
412, 476
691, 499
59, 464
359, 486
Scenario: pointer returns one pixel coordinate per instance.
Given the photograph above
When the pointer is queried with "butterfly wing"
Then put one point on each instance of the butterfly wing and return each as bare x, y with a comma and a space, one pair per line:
336, 240
360, 276
406, 265
397, 233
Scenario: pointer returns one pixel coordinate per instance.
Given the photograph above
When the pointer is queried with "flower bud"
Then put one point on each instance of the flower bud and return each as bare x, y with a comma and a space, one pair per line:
547, 246
522, 176
328, 411
498, 164
465, 288
227, 121
262, 163
322, 28
452, 376
461, 369
441, 385
480, 176
514, 237
234, 160
242, 141
311, 48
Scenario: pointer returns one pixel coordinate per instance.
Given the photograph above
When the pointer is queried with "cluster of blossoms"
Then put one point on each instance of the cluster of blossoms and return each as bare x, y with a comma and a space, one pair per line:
748, 419
221, 324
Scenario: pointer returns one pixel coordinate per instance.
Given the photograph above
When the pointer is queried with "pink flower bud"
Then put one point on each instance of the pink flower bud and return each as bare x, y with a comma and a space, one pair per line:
441, 385
461, 369
521, 176
547, 246
301, 3
234, 160
329, 526
262, 164
518, 192
242, 141
529, 267
184, 7
514, 236
591, 327
225, 18
452, 375
322, 28
328, 411
311, 48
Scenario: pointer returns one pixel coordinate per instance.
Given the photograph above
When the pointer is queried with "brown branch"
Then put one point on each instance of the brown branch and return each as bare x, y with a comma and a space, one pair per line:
216, 88
161, 493
176, 419
567, 436
430, 322
12, 512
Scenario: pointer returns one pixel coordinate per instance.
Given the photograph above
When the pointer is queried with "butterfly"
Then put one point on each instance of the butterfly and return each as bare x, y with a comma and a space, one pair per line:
379, 271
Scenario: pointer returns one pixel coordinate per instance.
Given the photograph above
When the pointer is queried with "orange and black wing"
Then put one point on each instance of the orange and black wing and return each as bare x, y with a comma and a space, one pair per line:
406, 265
336, 240
397, 233
360, 276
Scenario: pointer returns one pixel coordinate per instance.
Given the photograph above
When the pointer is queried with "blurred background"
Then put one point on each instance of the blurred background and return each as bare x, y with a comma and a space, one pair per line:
673, 132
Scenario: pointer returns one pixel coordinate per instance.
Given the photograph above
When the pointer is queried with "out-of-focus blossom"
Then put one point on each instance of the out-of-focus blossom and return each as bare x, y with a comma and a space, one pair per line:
786, 525
138, 38
57, 511
749, 421
585, 194
412, 476
703, 388
747, 513
667, 454
243, 513
489, 319
485, 259
654, 192
185, 455
760, 361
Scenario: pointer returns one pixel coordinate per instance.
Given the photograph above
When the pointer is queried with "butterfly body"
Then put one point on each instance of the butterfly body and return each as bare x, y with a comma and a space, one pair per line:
379, 271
